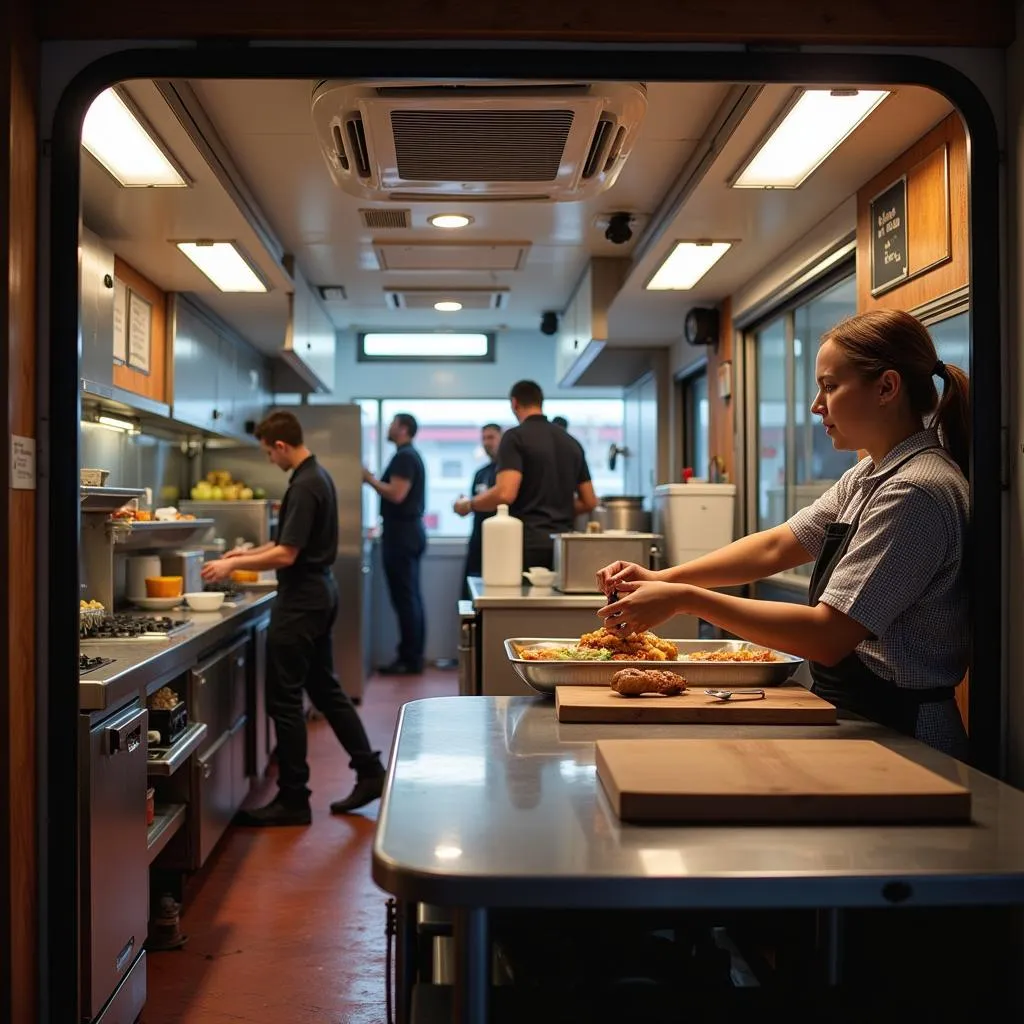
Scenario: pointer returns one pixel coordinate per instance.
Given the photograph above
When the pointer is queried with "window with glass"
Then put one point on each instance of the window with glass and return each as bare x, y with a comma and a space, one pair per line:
952, 337
695, 409
448, 439
796, 462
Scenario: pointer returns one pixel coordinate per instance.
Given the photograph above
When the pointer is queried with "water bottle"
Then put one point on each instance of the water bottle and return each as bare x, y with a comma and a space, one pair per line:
502, 549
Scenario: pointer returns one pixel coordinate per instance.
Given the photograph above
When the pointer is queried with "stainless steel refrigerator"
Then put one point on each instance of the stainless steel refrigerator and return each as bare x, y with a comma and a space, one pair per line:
334, 434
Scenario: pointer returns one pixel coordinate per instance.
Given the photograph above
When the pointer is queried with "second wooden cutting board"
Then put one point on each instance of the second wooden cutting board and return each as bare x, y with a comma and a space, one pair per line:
781, 705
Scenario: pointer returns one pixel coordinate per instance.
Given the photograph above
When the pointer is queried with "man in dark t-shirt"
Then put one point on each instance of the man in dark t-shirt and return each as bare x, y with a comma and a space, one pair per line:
483, 480
542, 476
299, 647
402, 489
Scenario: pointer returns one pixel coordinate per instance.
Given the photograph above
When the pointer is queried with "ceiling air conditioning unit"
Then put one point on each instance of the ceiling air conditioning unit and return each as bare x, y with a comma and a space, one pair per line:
476, 140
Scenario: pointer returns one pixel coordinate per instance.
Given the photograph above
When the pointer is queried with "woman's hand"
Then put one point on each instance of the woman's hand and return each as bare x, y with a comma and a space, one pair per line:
642, 605
609, 578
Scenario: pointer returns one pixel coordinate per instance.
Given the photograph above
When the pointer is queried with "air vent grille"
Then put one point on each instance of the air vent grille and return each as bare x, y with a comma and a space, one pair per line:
598, 144
380, 219
424, 298
480, 145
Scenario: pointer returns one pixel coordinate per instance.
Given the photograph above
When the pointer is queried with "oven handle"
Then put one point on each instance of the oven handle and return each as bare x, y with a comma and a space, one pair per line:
127, 736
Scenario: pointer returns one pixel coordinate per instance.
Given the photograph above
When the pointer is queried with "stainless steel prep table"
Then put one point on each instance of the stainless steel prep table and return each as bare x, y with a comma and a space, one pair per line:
490, 803
141, 664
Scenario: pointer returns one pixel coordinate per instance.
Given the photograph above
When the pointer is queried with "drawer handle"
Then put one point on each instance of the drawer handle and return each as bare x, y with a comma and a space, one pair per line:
207, 769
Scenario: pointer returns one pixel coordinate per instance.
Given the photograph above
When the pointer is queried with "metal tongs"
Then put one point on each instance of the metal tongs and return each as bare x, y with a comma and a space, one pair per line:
728, 694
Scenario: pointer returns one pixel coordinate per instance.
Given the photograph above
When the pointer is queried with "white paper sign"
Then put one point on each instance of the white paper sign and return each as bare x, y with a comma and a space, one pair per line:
120, 333
23, 463
140, 322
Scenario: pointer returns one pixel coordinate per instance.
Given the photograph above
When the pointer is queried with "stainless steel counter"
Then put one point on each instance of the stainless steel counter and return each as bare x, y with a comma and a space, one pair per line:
491, 802
528, 597
145, 664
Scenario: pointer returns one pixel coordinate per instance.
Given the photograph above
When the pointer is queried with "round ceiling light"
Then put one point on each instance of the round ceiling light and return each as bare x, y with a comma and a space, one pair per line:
450, 220
448, 307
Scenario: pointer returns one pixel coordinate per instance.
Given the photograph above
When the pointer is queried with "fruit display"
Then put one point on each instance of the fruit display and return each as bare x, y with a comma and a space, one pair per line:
219, 486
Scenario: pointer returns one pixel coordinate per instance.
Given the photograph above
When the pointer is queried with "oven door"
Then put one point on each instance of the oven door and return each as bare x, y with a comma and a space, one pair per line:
115, 874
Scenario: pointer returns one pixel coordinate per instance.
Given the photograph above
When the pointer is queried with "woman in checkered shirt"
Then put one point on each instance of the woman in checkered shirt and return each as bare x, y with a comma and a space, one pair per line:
885, 630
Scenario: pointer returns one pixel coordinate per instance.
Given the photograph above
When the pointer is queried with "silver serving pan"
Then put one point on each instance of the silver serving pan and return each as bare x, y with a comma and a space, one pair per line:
544, 676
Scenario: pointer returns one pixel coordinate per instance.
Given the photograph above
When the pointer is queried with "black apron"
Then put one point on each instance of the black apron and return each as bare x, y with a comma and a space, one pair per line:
850, 684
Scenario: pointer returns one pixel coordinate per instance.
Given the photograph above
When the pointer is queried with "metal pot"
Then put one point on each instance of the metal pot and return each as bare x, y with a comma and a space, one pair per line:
622, 512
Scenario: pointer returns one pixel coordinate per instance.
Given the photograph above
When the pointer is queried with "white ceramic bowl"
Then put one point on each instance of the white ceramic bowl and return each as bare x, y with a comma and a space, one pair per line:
541, 577
207, 601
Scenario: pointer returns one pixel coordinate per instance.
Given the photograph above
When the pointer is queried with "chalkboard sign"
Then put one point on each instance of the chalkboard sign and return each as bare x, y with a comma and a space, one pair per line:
889, 260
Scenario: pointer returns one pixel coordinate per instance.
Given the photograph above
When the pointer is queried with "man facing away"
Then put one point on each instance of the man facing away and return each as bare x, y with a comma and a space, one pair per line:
299, 648
542, 476
402, 489
483, 480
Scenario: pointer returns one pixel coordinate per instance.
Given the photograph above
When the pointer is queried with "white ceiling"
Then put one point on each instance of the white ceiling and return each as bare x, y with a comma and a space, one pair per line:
267, 128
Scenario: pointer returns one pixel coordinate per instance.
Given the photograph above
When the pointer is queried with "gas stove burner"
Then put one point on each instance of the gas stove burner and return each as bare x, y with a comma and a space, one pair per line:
132, 627
228, 589
87, 664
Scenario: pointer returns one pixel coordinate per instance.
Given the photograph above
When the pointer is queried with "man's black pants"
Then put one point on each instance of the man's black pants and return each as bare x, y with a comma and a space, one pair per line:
300, 657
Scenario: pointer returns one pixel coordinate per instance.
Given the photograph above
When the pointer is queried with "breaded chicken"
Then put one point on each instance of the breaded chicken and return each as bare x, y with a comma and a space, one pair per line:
639, 647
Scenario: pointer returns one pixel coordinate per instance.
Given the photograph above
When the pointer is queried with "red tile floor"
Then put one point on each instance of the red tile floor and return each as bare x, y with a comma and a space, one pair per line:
285, 925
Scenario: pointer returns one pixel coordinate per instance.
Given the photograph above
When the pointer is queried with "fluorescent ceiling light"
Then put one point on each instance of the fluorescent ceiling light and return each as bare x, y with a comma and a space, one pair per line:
450, 220
224, 265
814, 126
447, 307
117, 139
686, 265
424, 345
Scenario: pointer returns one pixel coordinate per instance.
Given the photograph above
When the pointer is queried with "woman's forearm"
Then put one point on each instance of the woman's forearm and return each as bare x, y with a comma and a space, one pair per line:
818, 633
745, 560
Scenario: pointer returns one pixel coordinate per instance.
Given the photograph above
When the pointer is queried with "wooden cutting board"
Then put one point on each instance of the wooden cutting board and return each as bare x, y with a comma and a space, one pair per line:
751, 780
781, 705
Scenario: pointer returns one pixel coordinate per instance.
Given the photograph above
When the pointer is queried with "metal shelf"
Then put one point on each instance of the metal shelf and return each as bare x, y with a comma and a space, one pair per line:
155, 533
166, 823
107, 499
179, 753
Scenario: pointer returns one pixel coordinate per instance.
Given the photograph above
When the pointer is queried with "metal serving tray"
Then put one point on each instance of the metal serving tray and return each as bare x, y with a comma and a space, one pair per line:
544, 676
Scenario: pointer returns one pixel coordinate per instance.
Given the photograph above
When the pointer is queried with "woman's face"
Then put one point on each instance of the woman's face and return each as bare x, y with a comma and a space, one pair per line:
849, 405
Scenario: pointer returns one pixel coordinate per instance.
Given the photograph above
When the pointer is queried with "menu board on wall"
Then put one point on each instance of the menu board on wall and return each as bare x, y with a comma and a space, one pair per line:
890, 264
120, 318
140, 332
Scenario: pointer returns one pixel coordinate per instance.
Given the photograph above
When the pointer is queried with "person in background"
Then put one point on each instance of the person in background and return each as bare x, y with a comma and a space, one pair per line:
483, 480
542, 476
299, 648
886, 631
402, 489
560, 421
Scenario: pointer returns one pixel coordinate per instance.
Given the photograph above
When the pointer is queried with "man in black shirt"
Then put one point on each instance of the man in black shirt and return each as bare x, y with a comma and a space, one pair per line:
402, 489
483, 480
542, 476
299, 649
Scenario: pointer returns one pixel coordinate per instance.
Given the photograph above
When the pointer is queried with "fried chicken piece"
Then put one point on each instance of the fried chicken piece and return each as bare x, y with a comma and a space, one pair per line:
639, 647
632, 682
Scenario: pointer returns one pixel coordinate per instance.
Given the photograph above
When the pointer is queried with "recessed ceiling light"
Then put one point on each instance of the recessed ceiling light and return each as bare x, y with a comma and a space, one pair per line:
224, 265
812, 128
450, 220
117, 139
448, 306
686, 265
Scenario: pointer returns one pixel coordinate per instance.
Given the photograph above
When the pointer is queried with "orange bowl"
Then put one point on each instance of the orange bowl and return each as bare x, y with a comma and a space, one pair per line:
163, 586
245, 576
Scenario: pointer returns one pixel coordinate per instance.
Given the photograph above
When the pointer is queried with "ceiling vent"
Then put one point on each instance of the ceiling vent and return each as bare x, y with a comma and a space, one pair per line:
424, 298
479, 140
385, 219
446, 257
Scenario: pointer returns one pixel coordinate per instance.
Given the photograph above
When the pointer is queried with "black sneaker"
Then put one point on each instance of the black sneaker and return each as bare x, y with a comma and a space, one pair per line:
365, 792
277, 812
400, 668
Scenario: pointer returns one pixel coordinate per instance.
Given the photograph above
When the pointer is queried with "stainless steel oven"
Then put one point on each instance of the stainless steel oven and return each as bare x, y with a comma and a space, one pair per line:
114, 861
